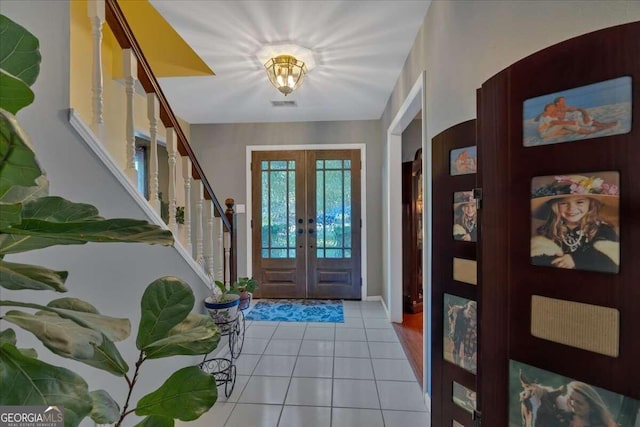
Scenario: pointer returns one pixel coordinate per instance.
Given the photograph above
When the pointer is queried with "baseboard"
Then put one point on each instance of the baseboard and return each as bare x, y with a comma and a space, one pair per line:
98, 149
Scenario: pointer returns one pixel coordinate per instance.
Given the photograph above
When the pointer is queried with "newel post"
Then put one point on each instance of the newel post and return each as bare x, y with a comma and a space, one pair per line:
233, 240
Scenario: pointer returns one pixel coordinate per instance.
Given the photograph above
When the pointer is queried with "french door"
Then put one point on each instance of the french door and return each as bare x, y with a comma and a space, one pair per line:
306, 223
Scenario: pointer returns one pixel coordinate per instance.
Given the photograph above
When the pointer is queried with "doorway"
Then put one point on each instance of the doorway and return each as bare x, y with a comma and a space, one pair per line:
306, 223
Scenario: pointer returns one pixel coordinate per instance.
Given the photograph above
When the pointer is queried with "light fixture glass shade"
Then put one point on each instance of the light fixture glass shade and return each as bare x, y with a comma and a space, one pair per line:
285, 73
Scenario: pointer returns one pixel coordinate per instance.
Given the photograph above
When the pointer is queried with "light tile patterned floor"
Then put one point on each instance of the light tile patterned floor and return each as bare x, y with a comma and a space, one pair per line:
351, 374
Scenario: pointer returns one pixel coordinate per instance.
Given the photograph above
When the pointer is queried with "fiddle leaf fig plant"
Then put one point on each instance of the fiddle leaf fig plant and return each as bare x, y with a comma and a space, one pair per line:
31, 219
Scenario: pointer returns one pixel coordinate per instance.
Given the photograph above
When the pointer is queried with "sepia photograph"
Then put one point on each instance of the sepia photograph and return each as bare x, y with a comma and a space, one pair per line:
465, 216
539, 398
460, 332
575, 221
464, 398
592, 111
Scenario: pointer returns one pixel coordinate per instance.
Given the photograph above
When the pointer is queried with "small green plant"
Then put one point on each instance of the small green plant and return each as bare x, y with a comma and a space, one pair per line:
223, 294
30, 219
244, 284
180, 214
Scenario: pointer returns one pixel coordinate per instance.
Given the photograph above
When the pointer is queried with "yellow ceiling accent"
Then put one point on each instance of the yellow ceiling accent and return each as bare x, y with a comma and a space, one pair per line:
168, 54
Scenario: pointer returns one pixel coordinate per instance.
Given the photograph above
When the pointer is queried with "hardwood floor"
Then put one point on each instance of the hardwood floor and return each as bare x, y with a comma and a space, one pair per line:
411, 337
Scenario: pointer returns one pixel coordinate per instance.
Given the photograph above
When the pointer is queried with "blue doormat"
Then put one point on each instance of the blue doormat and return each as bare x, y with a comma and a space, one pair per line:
297, 310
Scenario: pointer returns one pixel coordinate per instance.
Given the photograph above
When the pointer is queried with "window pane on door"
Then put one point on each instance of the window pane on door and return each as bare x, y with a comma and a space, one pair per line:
278, 209
333, 208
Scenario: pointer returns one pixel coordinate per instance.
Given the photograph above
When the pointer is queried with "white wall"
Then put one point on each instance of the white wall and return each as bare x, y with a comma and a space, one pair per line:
463, 43
221, 149
110, 276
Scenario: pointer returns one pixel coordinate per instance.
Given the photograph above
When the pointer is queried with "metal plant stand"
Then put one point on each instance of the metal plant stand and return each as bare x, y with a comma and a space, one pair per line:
222, 368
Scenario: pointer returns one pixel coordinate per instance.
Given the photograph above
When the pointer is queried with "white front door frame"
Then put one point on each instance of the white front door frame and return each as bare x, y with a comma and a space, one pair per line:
414, 103
363, 197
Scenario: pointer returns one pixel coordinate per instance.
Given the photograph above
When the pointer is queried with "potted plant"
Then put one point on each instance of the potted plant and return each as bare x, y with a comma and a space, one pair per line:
222, 303
245, 287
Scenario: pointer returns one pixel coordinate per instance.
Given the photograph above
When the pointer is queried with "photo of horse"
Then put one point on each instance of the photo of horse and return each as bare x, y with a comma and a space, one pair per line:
539, 398
460, 332
591, 111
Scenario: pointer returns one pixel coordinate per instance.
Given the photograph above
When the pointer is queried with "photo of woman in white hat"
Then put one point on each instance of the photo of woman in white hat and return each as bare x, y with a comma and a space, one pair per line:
579, 215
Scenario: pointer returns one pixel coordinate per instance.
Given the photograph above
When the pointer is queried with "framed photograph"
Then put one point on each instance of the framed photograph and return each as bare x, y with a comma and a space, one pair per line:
592, 111
460, 344
465, 216
463, 161
464, 398
575, 221
553, 400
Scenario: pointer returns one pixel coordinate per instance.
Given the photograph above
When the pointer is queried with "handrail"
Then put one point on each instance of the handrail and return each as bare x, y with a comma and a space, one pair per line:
124, 35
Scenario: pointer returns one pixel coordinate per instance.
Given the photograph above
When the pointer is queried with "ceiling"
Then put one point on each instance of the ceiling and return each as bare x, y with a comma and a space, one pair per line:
359, 49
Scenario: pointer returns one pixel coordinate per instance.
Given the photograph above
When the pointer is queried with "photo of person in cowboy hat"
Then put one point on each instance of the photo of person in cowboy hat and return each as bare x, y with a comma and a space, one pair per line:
465, 216
579, 215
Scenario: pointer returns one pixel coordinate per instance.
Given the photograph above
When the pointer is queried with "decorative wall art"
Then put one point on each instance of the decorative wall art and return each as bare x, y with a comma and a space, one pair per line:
463, 161
465, 217
575, 221
553, 400
465, 270
460, 332
592, 111
464, 398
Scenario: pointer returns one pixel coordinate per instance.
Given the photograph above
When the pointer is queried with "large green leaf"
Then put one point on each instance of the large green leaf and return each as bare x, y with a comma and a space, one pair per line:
197, 334
20, 194
62, 336
165, 303
67, 334
19, 51
28, 381
18, 164
116, 329
25, 276
51, 221
8, 336
156, 421
105, 410
14, 93
185, 395
9, 214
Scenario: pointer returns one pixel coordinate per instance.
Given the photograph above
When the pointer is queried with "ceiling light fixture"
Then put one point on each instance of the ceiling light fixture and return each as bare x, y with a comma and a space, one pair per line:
285, 73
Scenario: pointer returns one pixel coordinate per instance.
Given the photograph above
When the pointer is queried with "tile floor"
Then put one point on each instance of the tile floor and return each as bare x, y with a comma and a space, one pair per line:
351, 374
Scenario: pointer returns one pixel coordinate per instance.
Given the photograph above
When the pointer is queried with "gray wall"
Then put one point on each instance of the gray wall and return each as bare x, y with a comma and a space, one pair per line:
110, 276
221, 150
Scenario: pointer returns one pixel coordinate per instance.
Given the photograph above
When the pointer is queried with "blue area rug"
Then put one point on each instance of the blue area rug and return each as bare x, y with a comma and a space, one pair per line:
297, 310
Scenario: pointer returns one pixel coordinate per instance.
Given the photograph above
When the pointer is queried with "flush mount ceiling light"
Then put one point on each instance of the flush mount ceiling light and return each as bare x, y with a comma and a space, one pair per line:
286, 65
286, 73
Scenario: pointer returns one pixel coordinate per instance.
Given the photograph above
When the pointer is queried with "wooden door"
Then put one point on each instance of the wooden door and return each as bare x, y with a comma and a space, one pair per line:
306, 223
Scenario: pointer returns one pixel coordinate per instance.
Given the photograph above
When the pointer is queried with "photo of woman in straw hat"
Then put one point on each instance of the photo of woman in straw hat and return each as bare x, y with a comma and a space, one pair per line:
465, 216
575, 221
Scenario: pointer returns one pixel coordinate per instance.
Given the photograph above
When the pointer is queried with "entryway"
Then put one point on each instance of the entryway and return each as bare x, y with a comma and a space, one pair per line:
306, 223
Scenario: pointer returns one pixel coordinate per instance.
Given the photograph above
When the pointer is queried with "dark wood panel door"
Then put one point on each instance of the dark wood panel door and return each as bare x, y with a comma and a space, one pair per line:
306, 223
510, 172
454, 293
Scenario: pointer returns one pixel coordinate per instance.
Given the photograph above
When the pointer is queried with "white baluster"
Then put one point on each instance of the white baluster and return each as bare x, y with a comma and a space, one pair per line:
198, 256
208, 237
219, 253
96, 12
186, 174
172, 150
130, 66
153, 111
